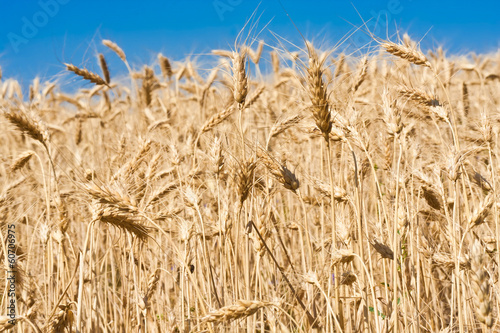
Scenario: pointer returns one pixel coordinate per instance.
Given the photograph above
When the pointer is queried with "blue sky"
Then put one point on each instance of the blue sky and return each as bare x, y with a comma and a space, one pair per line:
37, 37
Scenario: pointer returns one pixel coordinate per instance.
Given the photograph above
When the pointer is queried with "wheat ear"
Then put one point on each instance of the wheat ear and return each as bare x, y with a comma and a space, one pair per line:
28, 125
21, 160
407, 53
115, 48
166, 67
316, 89
104, 68
240, 80
86, 74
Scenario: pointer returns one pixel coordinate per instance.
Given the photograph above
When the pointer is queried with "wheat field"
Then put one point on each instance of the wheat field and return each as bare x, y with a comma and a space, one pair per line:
331, 193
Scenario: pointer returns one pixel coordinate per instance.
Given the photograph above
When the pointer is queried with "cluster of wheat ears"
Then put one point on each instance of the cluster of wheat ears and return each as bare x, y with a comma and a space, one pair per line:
335, 193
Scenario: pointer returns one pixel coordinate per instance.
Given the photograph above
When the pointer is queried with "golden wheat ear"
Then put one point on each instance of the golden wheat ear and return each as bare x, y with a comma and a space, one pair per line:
166, 67
104, 68
115, 48
27, 124
407, 53
317, 90
86, 74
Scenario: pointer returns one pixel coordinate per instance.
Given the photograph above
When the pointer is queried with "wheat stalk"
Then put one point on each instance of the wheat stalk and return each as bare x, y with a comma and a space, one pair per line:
481, 285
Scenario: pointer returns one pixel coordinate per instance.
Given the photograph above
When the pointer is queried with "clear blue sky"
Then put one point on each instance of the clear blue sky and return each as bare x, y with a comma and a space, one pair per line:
36, 37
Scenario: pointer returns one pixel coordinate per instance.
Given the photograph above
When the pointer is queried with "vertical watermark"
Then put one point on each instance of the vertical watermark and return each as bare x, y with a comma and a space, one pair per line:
32, 25
11, 273
223, 6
